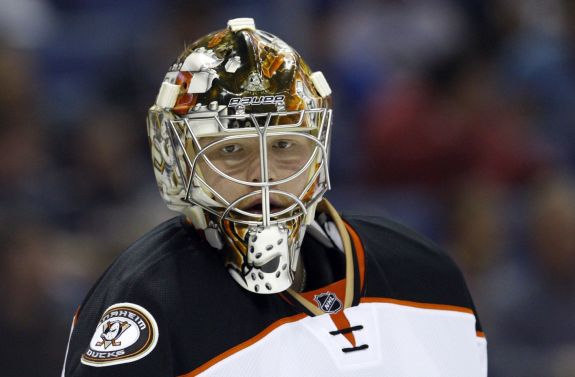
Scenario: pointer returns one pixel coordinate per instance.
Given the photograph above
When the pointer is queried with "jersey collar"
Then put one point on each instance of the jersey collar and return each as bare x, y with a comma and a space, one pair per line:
348, 290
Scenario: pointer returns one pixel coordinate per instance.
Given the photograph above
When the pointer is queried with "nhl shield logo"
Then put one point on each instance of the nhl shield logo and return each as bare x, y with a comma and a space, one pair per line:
328, 302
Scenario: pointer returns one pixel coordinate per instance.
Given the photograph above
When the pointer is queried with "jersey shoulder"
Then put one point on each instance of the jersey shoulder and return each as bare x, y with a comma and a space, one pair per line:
166, 241
153, 262
145, 285
404, 265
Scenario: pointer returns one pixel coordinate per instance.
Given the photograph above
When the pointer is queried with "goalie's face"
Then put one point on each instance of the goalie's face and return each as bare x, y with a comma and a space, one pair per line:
242, 169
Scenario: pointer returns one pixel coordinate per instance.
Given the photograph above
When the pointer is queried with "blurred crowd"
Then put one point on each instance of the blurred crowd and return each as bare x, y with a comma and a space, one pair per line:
455, 117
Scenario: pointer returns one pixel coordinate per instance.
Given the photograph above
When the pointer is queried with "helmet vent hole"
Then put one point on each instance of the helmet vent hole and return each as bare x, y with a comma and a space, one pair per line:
269, 247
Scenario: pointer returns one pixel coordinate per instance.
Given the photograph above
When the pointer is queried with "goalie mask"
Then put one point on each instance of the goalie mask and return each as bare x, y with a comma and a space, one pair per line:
239, 136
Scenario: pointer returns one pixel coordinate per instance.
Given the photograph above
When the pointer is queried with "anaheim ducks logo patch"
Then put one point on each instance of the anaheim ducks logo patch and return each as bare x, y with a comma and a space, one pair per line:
328, 302
126, 332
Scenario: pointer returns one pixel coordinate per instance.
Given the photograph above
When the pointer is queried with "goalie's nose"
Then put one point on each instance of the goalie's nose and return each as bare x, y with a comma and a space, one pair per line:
255, 171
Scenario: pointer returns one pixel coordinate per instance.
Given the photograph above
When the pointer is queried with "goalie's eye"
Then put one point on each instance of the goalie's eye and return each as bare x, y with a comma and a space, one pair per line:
283, 144
231, 148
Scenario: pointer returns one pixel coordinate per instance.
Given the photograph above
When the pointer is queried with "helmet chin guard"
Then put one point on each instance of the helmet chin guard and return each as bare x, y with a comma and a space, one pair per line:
270, 264
239, 101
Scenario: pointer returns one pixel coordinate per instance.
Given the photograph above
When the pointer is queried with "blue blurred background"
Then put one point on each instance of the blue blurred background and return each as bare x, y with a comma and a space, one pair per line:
455, 117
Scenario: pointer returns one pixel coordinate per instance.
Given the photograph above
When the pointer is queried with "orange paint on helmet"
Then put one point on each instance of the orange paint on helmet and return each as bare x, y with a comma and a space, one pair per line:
185, 100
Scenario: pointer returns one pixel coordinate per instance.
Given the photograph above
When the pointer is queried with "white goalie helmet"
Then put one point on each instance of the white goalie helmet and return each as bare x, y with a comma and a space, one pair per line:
239, 135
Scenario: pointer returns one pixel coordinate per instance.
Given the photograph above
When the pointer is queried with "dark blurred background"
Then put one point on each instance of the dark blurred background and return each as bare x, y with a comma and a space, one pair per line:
455, 117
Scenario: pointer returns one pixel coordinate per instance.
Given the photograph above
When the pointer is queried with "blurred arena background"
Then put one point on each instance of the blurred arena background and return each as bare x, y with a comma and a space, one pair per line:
455, 117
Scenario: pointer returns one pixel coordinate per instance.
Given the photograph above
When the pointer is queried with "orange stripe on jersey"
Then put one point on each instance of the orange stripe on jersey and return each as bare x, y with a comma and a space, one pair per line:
75, 318
414, 304
480, 334
341, 322
359, 252
246, 344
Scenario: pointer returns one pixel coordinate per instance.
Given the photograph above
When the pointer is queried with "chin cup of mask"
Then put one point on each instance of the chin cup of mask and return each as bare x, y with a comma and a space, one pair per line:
268, 267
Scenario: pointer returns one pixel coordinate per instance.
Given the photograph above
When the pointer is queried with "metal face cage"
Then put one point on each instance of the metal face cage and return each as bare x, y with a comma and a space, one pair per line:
312, 124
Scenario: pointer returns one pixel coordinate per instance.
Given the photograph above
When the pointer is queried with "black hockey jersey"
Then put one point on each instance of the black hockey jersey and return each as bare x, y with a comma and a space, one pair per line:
167, 307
